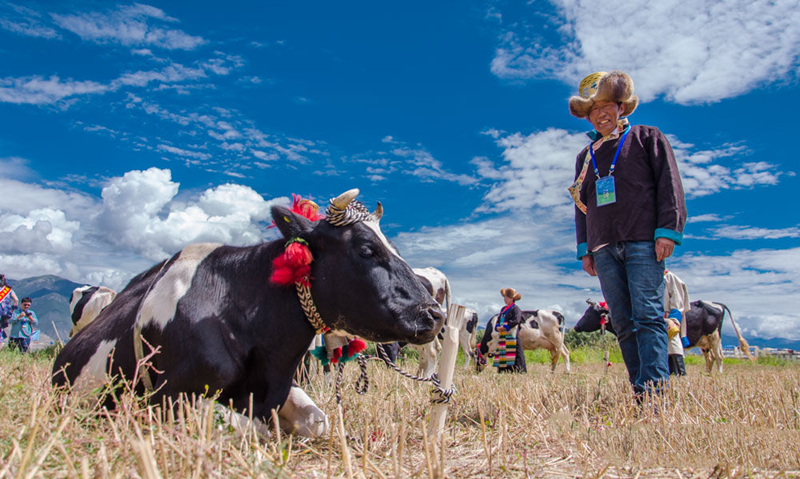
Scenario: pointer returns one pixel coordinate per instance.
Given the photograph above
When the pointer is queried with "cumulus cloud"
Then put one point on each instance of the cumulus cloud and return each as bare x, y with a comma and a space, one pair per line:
536, 170
712, 50
138, 213
138, 220
133, 25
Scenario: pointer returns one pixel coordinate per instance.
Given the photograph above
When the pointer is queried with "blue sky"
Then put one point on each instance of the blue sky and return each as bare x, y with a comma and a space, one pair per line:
128, 130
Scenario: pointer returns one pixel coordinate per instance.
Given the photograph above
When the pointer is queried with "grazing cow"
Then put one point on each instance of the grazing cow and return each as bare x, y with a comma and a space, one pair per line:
86, 303
543, 328
221, 324
703, 328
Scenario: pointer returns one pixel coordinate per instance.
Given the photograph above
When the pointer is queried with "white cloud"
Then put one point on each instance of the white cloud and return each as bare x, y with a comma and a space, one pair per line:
704, 172
24, 21
537, 169
184, 153
707, 218
37, 90
536, 172
712, 50
138, 221
139, 213
742, 232
44, 230
131, 25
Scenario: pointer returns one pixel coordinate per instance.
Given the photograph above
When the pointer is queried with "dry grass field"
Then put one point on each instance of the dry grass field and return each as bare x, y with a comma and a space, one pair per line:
744, 423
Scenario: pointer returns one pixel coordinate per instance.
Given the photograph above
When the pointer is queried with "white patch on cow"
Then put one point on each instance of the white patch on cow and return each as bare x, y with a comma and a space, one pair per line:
716, 306
98, 301
376, 228
299, 415
95, 371
161, 303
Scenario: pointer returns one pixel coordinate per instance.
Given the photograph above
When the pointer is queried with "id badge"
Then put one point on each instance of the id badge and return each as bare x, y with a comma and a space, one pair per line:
606, 194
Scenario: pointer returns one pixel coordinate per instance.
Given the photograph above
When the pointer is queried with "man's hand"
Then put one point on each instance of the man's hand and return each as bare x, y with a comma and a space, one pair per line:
588, 265
664, 248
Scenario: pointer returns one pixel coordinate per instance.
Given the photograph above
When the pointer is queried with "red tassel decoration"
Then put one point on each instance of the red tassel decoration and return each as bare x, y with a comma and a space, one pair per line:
355, 346
293, 266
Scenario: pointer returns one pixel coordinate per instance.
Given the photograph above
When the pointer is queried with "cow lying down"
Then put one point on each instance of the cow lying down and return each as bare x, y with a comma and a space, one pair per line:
220, 325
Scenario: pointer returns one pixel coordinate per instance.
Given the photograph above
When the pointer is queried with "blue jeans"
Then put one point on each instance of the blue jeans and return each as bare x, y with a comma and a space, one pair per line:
633, 286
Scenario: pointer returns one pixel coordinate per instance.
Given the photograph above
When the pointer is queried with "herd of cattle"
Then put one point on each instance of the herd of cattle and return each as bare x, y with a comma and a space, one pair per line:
209, 320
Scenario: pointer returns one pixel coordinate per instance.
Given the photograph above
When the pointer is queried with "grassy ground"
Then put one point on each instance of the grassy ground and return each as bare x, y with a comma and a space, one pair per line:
744, 423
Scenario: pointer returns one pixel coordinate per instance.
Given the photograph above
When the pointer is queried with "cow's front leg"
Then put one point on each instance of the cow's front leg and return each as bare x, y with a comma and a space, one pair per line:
299, 415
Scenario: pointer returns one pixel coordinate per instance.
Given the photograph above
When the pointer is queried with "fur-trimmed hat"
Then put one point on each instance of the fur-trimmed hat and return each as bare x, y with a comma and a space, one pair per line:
616, 86
510, 293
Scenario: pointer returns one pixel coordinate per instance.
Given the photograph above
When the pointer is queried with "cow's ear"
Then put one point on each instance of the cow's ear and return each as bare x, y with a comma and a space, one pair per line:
290, 224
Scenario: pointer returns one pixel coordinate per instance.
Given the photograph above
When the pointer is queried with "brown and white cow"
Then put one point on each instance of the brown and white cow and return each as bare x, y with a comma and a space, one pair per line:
86, 303
219, 324
542, 329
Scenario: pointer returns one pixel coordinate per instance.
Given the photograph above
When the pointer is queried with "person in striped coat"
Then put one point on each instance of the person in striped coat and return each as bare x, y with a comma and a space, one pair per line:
509, 358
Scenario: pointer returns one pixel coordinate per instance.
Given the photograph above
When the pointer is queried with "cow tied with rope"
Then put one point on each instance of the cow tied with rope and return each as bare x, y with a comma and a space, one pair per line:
236, 321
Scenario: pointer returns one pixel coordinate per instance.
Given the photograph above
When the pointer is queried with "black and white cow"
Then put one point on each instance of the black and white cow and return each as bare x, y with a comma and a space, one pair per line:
438, 286
220, 325
703, 328
86, 303
542, 329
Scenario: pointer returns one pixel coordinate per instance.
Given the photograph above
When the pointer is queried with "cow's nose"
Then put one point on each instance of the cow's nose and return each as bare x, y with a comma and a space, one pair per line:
438, 315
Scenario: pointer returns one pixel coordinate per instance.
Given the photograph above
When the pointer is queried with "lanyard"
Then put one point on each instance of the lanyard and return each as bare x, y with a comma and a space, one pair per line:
616, 155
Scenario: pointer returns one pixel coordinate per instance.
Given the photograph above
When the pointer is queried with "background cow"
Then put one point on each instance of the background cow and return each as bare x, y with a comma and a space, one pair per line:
220, 325
428, 354
543, 328
86, 303
703, 328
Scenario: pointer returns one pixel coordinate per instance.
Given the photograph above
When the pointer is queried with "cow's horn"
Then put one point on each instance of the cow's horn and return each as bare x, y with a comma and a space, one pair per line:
589, 302
344, 199
378, 212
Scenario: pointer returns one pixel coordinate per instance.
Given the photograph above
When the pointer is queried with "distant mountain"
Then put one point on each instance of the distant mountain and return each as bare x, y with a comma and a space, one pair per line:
778, 343
50, 295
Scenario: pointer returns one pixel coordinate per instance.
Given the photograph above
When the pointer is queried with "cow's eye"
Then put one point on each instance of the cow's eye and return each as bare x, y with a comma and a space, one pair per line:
365, 251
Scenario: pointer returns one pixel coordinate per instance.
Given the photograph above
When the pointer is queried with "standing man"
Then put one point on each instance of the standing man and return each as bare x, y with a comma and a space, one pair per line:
629, 215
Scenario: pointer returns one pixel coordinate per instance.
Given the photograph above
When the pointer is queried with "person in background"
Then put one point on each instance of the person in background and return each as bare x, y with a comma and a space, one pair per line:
509, 358
629, 215
22, 326
676, 305
8, 303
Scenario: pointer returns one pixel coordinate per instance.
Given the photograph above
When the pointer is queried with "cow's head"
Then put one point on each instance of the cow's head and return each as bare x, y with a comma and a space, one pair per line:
359, 282
592, 318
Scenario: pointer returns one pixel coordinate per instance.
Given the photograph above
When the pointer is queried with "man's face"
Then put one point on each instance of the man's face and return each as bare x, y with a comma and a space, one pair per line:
25, 306
604, 116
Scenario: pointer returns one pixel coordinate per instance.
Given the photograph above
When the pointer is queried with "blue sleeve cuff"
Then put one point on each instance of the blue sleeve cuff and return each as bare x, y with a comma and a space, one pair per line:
669, 234
582, 250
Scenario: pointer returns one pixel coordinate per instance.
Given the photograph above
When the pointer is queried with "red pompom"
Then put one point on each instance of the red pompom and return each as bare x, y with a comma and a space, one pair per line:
337, 354
298, 254
293, 265
355, 346
306, 208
